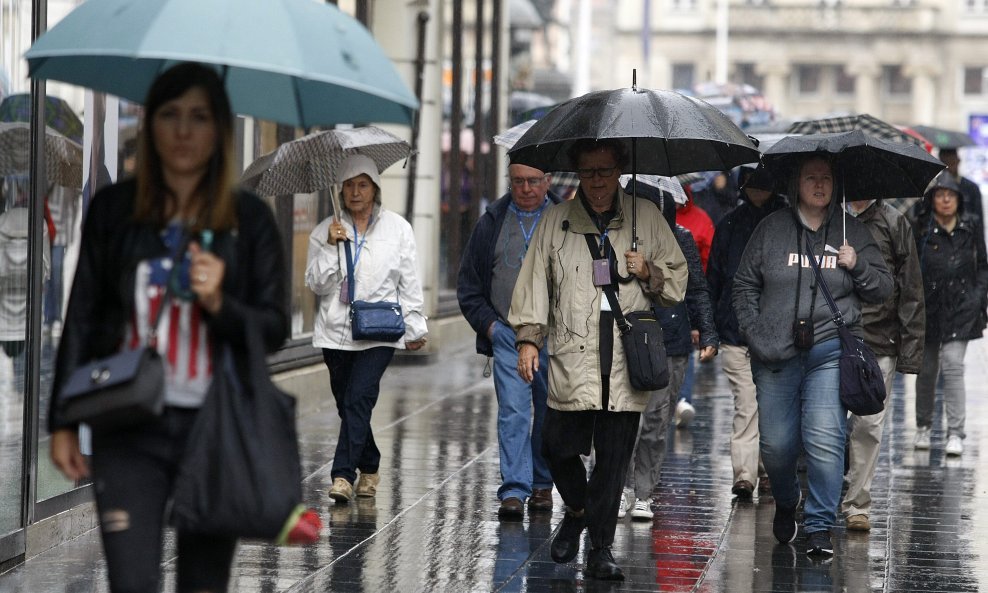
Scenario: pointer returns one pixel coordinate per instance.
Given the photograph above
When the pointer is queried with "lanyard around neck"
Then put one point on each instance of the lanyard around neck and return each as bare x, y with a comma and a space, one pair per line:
520, 214
358, 241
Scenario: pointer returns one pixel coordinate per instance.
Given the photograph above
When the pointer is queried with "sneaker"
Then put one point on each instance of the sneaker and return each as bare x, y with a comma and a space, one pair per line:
784, 524
922, 438
955, 446
642, 510
684, 413
342, 491
858, 523
623, 507
818, 544
367, 485
743, 489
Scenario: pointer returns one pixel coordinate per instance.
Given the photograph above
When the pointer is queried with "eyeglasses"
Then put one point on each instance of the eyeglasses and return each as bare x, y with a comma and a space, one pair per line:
531, 181
603, 172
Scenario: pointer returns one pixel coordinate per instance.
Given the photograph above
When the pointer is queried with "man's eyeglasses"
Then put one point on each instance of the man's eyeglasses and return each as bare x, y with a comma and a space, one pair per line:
531, 181
603, 172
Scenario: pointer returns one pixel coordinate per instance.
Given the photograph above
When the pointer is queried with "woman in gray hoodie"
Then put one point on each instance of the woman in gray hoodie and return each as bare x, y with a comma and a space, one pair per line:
793, 341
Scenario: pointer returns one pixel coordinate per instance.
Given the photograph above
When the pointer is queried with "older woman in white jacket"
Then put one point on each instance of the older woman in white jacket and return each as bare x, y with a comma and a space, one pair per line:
382, 248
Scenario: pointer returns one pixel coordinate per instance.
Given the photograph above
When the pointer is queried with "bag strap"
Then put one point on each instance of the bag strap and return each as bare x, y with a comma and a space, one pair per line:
352, 278
622, 323
837, 317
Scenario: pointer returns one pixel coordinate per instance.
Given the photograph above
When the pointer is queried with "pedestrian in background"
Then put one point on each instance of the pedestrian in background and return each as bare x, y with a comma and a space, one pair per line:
679, 323
488, 271
758, 200
794, 343
559, 305
894, 330
951, 250
185, 185
383, 252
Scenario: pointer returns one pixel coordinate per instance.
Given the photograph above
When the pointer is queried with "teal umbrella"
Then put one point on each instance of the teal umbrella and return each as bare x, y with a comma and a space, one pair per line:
298, 62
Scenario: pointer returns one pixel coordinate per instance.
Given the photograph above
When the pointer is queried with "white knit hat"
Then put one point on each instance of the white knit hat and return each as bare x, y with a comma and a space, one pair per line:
357, 164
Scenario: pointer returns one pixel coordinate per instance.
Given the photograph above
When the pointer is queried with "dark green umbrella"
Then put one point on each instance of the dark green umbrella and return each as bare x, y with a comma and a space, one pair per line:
58, 115
942, 138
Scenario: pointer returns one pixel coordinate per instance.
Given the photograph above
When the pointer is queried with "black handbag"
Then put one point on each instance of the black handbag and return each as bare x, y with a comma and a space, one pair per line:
241, 473
379, 322
641, 338
862, 383
121, 390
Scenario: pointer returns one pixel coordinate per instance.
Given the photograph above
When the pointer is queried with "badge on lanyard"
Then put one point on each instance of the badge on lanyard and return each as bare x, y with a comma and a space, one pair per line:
601, 272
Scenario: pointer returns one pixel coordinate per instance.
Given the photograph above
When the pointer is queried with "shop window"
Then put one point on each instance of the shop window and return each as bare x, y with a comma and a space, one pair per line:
895, 83
975, 81
745, 74
808, 79
843, 81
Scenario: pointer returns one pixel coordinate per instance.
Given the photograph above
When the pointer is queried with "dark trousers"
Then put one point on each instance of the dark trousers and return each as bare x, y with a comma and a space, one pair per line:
355, 378
566, 436
133, 475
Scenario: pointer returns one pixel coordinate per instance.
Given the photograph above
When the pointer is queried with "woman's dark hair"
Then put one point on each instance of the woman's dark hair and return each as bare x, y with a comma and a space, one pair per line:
618, 151
155, 201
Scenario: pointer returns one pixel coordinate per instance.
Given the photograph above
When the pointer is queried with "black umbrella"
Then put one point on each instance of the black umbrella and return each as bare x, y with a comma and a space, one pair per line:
665, 133
942, 138
867, 168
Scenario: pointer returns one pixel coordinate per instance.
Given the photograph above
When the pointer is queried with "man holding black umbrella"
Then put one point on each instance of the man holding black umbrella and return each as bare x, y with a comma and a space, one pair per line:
559, 304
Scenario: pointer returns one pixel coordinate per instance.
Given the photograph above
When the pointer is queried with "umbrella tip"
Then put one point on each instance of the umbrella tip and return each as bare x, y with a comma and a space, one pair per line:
634, 79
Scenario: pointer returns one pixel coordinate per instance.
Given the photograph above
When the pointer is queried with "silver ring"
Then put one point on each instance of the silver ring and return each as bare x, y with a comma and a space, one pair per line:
631, 265
202, 277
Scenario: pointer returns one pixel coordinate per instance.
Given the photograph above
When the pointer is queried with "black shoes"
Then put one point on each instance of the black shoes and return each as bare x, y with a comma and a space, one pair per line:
601, 565
511, 508
784, 525
743, 489
566, 545
818, 544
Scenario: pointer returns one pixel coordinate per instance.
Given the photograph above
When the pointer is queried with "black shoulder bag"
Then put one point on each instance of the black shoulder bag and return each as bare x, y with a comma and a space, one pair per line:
641, 338
862, 384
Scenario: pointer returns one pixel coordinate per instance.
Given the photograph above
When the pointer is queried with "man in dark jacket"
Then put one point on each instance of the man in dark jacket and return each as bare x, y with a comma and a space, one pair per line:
730, 238
695, 312
488, 272
894, 330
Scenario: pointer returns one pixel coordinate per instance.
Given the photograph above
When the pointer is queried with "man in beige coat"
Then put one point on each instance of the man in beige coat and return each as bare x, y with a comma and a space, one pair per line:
558, 303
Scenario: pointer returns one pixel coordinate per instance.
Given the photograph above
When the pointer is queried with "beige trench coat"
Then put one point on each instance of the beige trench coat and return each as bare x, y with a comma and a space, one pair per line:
556, 305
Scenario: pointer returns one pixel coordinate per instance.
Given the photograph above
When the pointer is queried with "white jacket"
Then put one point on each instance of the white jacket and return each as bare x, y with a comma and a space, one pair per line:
386, 271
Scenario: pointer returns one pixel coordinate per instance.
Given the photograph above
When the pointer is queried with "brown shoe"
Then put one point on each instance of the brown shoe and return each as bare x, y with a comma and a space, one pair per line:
540, 500
511, 508
743, 489
367, 485
764, 486
342, 491
858, 523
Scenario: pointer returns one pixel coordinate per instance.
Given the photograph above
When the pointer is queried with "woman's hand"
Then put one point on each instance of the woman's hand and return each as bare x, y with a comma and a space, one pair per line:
337, 232
415, 345
634, 261
707, 353
206, 278
67, 456
528, 362
847, 257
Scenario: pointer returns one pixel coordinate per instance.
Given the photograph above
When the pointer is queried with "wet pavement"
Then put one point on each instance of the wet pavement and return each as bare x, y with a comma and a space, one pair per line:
433, 525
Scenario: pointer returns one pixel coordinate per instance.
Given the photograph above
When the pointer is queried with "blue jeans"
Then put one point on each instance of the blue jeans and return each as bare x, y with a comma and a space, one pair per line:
799, 408
519, 437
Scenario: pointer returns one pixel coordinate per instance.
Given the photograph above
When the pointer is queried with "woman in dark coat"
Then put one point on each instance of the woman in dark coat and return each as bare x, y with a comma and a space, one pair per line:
955, 278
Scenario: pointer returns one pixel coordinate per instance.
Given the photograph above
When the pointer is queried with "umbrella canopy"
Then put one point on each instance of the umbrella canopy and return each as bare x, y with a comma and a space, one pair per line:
297, 62
867, 168
58, 114
942, 138
312, 162
869, 124
673, 133
508, 138
63, 157
668, 185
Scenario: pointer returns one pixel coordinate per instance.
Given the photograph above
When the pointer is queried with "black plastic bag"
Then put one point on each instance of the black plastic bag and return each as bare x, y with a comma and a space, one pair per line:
241, 474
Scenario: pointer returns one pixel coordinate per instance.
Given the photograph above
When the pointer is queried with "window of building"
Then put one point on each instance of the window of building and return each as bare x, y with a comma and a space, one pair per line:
977, 6
808, 79
683, 76
894, 82
843, 81
744, 73
683, 5
976, 80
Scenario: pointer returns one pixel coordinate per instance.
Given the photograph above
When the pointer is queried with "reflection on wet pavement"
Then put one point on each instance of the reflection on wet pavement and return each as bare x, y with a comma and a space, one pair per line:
433, 525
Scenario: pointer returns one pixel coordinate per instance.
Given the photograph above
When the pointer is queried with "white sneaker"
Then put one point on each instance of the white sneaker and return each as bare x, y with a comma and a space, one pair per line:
922, 438
684, 413
955, 446
642, 510
622, 507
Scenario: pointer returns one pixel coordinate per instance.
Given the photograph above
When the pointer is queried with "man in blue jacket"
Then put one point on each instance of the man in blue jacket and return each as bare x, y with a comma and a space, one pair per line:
488, 271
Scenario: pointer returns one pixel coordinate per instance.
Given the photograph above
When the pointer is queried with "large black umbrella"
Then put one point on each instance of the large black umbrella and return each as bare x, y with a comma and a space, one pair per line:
867, 168
665, 133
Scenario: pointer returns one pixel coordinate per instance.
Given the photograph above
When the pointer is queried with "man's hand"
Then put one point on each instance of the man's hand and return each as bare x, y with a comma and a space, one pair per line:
528, 362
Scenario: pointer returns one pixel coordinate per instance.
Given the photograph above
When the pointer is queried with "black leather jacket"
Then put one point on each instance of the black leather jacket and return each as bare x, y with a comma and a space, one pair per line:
254, 282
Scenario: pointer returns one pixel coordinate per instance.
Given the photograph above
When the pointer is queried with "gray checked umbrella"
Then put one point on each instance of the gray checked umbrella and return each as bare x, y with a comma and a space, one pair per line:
63, 157
311, 163
868, 124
